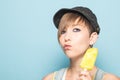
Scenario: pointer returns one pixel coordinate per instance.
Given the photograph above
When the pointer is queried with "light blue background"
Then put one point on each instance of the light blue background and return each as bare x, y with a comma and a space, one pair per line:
28, 39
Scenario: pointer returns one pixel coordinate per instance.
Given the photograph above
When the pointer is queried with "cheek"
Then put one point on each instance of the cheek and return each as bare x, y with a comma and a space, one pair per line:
81, 45
82, 41
60, 41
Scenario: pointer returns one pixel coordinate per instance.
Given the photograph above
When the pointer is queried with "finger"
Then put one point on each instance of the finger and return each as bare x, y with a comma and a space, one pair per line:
83, 78
84, 73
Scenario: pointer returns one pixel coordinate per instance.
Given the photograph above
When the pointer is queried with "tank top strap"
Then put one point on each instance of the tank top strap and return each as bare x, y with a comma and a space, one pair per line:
99, 74
59, 74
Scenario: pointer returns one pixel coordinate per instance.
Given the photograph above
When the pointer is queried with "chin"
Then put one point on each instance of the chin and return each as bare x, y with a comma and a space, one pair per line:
71, 56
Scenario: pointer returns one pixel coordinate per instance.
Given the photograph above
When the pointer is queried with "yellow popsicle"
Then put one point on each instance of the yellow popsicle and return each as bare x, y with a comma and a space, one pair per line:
89, 59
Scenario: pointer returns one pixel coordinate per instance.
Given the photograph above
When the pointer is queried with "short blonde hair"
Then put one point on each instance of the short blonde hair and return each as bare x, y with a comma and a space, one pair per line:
69, 19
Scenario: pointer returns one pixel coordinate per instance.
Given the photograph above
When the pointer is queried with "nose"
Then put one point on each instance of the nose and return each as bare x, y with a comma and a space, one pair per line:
67, 37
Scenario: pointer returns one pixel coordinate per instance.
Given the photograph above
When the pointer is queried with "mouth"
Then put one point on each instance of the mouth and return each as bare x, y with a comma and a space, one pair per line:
67, 47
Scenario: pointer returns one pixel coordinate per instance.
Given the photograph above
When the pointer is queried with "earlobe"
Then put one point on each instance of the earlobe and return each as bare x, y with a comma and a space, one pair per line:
93, 38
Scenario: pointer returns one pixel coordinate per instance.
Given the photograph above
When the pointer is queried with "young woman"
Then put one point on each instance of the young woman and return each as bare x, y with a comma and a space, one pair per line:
78, 30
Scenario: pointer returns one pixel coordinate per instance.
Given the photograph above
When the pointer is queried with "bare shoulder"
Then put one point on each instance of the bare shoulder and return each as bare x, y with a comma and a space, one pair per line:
48, 77
110, 77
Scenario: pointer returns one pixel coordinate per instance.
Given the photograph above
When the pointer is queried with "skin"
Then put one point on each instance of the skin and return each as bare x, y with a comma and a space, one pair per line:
79, 39
75, 40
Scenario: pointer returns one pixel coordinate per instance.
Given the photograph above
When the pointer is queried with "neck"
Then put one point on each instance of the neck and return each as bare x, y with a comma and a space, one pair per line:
75, 65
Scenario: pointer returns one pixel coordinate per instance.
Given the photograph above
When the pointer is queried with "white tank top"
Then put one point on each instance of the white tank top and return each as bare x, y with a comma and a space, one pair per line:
64, 75
61, 74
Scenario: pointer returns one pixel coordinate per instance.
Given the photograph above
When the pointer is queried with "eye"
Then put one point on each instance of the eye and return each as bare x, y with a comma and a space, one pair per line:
76, 30
62, 32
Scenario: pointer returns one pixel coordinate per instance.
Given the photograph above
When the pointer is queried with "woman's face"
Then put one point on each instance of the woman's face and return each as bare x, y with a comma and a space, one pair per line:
75, 40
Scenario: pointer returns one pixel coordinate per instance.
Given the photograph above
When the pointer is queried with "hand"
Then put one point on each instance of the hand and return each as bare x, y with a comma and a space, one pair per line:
84, 75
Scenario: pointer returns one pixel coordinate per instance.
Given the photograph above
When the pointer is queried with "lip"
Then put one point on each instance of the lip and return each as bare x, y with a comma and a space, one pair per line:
67, 47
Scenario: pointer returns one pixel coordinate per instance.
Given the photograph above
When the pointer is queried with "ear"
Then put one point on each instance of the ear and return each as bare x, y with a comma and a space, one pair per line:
93, 38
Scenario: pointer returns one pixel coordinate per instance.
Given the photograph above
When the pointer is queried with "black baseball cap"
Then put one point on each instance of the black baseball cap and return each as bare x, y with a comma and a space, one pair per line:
86, 12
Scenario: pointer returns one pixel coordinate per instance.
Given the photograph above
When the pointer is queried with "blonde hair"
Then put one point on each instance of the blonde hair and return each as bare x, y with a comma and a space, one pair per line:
70, 19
